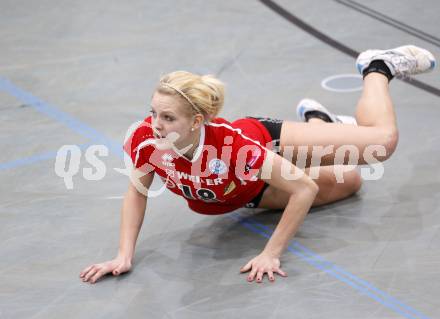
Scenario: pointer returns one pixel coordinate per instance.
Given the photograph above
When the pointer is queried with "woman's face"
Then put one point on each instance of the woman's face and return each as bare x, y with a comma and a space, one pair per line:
168, 116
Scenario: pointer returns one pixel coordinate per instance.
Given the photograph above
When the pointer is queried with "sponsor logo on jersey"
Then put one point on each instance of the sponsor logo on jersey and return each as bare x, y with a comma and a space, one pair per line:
167, 159
193, 178
217, 166
229, 188
189, 177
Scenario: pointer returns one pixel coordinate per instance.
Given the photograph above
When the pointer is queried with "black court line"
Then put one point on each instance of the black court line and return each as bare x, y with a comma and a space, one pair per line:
336, 44
390, 21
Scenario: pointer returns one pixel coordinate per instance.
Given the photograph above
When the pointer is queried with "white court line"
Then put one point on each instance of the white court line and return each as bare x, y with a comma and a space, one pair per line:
324, 83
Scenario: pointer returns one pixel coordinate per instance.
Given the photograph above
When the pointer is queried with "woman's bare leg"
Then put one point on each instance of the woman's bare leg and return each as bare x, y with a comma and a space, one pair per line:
326, 179
377, 126
375, 108
376, 136
329, 189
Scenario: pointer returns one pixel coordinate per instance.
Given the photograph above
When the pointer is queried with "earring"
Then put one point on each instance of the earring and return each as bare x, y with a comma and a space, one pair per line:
192, 129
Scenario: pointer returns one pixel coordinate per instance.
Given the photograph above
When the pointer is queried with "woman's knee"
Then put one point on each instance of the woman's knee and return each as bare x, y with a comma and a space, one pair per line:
388, 140
341, 184
354, 182
392, 138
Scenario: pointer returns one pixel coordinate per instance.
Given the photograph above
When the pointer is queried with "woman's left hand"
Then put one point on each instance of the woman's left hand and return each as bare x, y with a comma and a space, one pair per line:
263, 264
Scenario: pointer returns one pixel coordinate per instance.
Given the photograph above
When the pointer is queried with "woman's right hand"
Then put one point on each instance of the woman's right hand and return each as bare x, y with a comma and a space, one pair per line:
115, 266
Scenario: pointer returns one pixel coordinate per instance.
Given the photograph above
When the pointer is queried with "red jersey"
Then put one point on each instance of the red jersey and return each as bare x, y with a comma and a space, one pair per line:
221, 176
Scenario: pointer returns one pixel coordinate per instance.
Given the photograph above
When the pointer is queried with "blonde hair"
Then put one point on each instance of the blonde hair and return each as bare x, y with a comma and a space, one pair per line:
202, 93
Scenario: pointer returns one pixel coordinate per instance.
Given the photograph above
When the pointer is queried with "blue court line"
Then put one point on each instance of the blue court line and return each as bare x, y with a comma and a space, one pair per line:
60, 116
335, 271
34, 159
296, 248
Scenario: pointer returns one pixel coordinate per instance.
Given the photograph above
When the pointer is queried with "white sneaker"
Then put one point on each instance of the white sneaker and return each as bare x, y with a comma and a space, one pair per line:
402, 61
307, 105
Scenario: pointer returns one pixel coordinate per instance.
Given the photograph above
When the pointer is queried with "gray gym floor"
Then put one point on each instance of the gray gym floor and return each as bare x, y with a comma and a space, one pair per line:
80, 72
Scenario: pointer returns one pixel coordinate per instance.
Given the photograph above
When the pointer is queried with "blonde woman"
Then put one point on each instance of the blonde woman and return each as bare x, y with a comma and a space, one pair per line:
218, 166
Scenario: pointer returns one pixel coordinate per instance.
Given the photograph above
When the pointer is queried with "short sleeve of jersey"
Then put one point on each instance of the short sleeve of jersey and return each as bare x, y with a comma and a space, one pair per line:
139, 149
247, 156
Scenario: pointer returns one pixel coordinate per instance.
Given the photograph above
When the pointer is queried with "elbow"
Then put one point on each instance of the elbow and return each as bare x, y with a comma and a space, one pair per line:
133, 193
307, 188
310, 189
308, 192
313, 188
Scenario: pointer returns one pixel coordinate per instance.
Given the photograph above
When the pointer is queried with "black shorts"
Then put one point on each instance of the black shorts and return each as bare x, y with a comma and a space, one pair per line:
274, 128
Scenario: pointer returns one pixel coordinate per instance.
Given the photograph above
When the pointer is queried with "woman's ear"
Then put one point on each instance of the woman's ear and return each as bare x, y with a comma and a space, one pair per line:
198, 121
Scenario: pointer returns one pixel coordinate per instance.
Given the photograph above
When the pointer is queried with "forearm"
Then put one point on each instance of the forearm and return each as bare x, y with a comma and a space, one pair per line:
132, 216
293, 216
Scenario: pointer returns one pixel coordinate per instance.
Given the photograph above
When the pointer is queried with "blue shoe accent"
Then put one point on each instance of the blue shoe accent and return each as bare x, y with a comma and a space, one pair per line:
301, 110
433, 64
